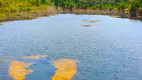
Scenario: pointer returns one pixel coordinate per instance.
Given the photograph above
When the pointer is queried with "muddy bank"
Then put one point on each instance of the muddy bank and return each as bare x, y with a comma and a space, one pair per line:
113, 13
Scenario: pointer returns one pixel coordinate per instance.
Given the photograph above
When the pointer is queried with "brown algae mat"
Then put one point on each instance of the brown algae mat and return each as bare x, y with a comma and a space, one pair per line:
91, 21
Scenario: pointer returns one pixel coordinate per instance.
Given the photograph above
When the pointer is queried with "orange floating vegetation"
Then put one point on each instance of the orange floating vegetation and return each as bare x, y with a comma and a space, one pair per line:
35, 57
66, 68
18, 70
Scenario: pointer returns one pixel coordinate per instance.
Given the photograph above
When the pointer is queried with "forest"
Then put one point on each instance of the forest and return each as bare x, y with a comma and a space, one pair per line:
131, 7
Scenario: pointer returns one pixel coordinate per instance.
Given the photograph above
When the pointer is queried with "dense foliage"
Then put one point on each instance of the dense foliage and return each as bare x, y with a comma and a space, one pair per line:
23, 5
132, 7
129, 6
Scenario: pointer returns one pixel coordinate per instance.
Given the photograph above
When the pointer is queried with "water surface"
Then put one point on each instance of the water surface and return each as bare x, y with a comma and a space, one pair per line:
107, 50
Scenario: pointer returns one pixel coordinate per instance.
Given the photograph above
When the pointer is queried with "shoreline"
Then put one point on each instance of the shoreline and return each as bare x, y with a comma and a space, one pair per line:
117, 14
37, 14
28, 15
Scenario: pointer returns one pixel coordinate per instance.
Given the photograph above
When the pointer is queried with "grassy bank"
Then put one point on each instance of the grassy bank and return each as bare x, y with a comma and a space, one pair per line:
105, 12
25, 9
48, 11
96, 12
23, 15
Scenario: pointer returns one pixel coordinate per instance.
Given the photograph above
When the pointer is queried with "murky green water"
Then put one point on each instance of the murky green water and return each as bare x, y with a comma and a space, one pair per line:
107, 50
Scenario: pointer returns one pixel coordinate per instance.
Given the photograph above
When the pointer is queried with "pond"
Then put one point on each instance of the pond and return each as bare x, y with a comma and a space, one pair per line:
108, 49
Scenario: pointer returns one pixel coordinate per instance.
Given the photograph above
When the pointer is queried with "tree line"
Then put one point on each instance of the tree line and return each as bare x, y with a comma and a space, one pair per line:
133, 7
23, 5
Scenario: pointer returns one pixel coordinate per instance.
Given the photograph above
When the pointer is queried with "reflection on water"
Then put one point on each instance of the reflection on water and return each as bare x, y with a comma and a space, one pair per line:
39, 68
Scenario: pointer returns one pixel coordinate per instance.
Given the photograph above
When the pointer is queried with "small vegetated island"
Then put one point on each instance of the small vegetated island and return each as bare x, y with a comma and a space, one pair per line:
28, 9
